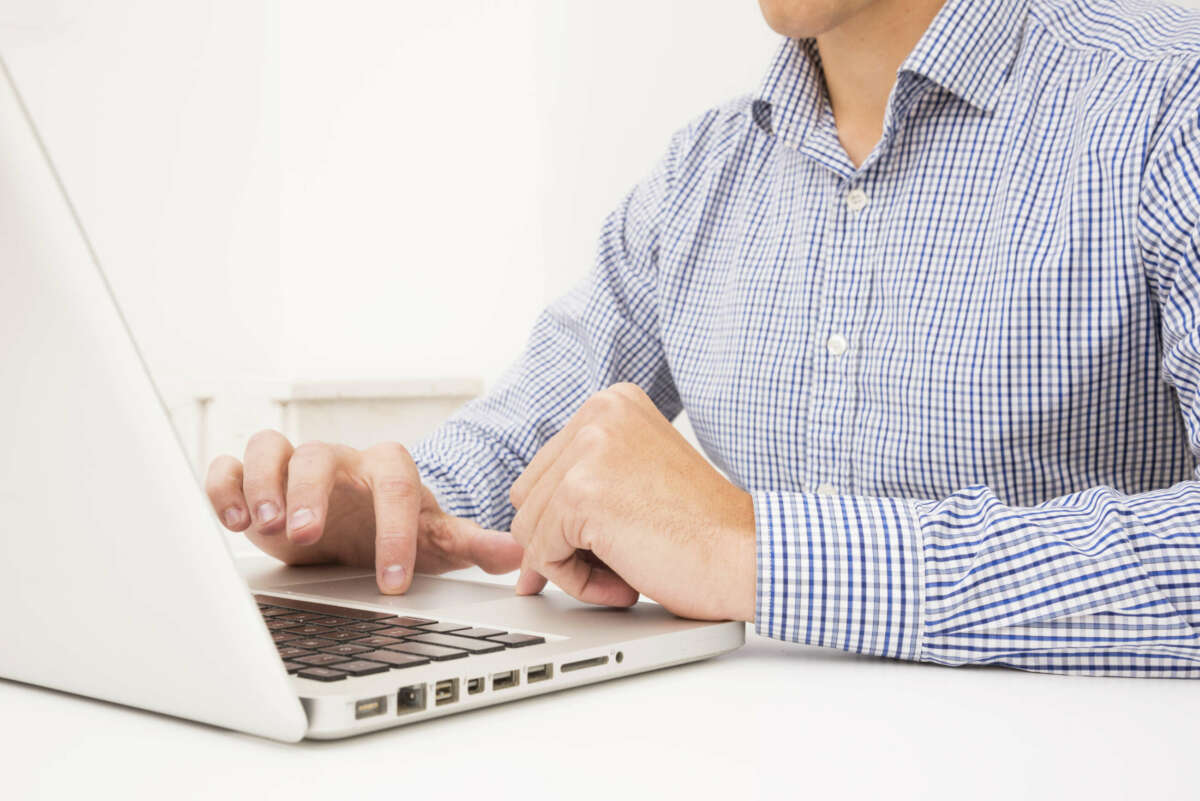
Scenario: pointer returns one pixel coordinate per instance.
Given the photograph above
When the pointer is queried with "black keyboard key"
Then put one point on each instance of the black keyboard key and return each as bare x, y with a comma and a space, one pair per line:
311, 643
408, 621
321, 660
288, 652
278, 624
346, 649
438, 653
324, 609
364, 626
341, 635
271, 611
398, 631
310, 631
294, 667
515, 640
379, 641
321, 674
283, 636
328, 621
479, 633
396, 659
442, 628
465, 643
361, 667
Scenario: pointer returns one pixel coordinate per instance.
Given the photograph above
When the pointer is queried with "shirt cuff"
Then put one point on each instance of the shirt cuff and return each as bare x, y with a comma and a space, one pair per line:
451, 498
840, 571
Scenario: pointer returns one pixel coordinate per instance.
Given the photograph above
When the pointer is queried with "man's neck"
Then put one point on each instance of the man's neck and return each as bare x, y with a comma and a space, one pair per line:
860, 58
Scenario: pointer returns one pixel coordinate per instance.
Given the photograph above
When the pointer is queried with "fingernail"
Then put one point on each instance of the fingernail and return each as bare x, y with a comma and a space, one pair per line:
393, 578
267, 512
232, 516
302, 517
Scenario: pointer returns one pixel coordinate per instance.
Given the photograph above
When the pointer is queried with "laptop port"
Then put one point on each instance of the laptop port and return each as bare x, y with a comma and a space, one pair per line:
410, 699
475, 686
502, 681
445, 692
370, 707
595, 661
539, 672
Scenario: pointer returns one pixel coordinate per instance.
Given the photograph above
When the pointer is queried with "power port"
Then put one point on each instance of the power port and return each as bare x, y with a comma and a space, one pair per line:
410, 699
445, 692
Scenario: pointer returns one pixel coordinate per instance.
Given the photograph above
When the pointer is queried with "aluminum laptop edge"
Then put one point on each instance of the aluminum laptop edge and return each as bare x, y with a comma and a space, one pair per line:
116, 581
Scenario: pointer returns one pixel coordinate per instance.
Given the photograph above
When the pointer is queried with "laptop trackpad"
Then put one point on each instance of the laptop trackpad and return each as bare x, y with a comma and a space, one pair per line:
426, 592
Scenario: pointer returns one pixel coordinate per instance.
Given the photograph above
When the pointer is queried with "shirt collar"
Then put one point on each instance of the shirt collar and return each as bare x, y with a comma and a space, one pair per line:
967, 50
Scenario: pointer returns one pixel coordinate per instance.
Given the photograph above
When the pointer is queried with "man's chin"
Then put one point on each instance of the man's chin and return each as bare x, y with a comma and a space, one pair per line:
807, 19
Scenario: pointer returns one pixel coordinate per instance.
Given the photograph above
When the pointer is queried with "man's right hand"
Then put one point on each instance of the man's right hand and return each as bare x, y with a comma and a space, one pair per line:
319, 503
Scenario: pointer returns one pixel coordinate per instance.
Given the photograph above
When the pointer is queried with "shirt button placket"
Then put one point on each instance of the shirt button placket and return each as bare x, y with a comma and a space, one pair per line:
830, 429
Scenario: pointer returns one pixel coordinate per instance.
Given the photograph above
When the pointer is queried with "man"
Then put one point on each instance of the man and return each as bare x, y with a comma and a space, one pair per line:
932, 302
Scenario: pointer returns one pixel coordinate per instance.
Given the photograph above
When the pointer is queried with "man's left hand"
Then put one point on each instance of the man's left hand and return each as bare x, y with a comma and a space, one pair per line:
618, 503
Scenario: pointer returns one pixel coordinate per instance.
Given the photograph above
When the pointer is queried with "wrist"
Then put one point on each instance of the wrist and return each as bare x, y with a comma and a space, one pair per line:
742, 581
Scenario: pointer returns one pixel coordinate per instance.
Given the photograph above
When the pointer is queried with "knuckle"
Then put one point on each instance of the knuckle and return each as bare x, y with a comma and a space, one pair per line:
311, 449
267, 437
311, 455
302, 488
440, 537
579, 490
390, 451
593, 437
396, 487
603, 403
630, 390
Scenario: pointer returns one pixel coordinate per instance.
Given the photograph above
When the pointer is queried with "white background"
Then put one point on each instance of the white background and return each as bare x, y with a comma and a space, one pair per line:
366, 188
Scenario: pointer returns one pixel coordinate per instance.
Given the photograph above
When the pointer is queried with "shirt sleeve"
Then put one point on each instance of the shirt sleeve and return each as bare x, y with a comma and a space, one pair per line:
602, 333
1097, 582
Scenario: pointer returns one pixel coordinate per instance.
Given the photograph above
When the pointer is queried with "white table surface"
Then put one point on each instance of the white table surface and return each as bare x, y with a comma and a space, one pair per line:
769, 720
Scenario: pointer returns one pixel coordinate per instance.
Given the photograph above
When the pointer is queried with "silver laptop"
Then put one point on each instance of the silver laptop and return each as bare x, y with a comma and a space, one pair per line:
116, 581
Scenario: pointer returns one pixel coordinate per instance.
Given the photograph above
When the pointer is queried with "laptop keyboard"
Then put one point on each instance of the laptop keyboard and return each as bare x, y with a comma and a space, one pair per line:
324, 642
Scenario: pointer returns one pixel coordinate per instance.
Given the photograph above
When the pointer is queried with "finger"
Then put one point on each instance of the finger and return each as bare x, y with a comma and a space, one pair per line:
310, 475
546, 456
265, 476
588, 440
588, 582
223, 484
530, 582
493, 551
557, 551
396, 488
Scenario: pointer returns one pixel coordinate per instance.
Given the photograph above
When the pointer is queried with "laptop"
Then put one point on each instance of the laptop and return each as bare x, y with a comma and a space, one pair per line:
116, 581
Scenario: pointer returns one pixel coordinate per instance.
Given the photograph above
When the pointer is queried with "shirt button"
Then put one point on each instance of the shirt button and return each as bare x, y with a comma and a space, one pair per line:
826, 490
856, 200
836, 345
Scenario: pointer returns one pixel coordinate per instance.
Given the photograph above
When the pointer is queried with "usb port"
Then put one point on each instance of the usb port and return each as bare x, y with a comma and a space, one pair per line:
445, 692
502, 681
539, 672
475, 685
370, 707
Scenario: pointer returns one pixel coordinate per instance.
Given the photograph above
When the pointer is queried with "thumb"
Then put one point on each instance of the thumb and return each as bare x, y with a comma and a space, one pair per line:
494, 551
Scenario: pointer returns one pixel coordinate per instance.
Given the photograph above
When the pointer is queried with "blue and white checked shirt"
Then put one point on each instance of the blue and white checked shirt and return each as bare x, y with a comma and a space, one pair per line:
961, 381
